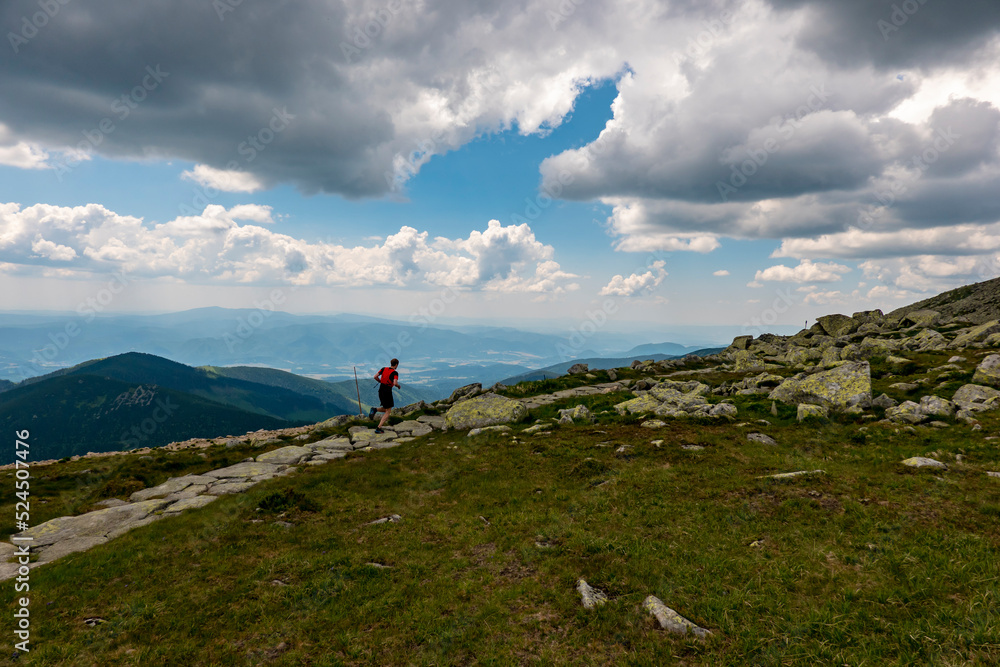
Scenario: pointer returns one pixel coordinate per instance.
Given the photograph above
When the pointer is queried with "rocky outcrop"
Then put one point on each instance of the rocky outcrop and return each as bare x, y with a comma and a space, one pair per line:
485, 410
988, 372
676, 399
976, 398
843, 387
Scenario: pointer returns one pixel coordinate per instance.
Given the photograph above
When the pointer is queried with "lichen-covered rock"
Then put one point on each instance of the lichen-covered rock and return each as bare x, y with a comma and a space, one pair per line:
671, 620
927, 340
988, 372
976, 334
884, 401
743, 360
591, 597
924, 462
906, 412
976, 398
290, 455
501, 428
577, 369
935, 406
246, 469
741, 342
485, 410
840, 388
635, 406
837, 325
465, 391
579, 414
922, 318
830, 356
723, 410
806, 410
872, 347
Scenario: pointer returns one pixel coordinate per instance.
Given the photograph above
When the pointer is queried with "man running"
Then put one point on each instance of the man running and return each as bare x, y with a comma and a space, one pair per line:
387, 379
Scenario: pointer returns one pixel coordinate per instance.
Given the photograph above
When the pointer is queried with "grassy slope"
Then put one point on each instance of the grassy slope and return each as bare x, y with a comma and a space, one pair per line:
871, 564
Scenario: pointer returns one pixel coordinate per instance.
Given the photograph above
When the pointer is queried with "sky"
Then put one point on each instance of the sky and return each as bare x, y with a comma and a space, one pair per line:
543, 163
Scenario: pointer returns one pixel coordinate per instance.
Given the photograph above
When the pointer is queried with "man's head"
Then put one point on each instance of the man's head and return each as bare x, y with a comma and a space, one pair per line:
394, 363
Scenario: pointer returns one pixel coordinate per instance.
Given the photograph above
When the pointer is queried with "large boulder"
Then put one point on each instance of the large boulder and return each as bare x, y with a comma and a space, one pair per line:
837, 325
465, 392
577, 369
846, 386
485, 410
976, 334
906, 412
922, 318
976, 398
988, 372
743, 360
741, 342
635, 406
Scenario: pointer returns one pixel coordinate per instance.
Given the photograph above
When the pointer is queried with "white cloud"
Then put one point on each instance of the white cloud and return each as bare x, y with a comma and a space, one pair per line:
720, 273
20, 154
636, 283
222, 179
214, 247
805, 272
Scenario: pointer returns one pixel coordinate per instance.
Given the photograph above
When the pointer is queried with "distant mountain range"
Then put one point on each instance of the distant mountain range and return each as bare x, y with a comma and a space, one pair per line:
436, 358
134, 400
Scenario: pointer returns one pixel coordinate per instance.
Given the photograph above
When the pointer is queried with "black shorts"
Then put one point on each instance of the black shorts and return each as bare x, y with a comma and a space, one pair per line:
385, 395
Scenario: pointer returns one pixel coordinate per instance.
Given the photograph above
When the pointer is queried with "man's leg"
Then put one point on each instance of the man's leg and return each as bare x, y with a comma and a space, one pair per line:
385, 416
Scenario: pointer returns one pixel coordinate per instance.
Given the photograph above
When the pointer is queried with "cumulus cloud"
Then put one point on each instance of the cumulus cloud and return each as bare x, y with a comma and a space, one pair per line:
805, 272
637, 283
720, 273
214, 247
20, 154
222, 179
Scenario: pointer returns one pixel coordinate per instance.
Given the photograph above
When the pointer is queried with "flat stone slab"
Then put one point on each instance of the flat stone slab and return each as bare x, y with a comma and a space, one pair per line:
924, 462
435, 422
671, 620
328, 456
797, 473
70, 546
489, 429
225, 488
170, 486
413, 428
99, 523
365, 436
333, 443
993, 474
246, 469
761, 438
190, 503
290, 455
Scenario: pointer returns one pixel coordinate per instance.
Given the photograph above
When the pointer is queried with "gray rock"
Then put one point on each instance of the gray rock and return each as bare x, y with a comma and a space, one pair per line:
884, 401
671, 620
485, 410
489, 429
190, 503
580, 414
988, 372
290, 455
935, 406
924, 462
99, 523
976, 398
906, 412
333, 443
761, 438
229, 487
806, 410
392, 518
246, 469
843, 387
591, 597
466, 391
789, 475
576, 369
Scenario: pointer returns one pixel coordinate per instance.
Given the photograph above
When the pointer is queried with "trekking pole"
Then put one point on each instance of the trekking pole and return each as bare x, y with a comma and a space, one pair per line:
358, 387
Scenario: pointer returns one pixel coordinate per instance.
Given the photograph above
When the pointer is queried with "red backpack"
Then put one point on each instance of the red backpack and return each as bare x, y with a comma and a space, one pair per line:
385, 375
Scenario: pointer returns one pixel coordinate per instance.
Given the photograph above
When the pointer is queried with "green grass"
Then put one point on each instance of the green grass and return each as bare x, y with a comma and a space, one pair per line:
870, 564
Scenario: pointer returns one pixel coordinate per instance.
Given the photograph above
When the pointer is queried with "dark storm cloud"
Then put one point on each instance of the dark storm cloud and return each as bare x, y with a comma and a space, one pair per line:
899, 33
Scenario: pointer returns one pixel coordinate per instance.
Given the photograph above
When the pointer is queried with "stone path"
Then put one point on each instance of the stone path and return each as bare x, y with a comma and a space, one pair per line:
69, 534
587, 390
